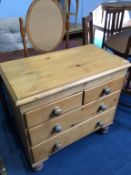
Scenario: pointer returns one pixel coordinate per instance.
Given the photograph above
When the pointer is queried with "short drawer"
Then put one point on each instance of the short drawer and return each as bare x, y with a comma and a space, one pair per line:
58, 125
44, 113
43, 150
102, 90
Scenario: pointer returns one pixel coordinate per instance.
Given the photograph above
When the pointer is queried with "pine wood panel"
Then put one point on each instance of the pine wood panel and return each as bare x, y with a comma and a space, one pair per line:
46, 130
71, 91
36, 77
43, 150
41, 114
97, 92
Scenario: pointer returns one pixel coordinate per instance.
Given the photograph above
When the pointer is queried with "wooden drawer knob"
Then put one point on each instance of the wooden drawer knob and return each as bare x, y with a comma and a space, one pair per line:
106, 91
100, 124
57, 147
102, 108
103, 128
57, 128
57, 111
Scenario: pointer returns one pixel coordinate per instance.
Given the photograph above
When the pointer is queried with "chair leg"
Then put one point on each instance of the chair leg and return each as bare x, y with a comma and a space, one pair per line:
22, 31
127, 86
67, 30
77, 8
127, 90
128, 48
85, 35
68, 5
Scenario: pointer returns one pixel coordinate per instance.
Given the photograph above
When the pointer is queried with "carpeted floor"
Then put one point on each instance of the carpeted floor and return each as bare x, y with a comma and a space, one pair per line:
96, 154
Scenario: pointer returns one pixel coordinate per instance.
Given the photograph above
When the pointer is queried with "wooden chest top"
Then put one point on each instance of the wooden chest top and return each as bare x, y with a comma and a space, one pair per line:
50, 73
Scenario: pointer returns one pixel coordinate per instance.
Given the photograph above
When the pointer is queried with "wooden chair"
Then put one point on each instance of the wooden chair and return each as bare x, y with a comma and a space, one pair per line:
100, 11
45, 26
76, 11
67, 7
115, 39
87, 23
113, 23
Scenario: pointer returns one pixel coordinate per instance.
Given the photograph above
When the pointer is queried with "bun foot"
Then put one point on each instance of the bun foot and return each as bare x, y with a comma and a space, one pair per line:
104, 130
38, 167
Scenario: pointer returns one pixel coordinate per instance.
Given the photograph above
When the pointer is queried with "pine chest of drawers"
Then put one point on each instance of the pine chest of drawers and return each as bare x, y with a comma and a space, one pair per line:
60, 97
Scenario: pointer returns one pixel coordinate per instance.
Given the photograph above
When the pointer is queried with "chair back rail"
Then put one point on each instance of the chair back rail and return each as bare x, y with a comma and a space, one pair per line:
87, 24
113, 22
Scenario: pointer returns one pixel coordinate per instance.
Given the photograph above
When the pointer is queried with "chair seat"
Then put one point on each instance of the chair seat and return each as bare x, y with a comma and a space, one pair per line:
118, 42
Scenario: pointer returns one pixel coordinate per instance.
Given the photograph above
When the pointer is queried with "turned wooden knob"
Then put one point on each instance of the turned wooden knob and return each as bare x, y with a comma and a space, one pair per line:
102, 107
103, 128
100, 124
57, 146
57, 111
106, 91
57, 128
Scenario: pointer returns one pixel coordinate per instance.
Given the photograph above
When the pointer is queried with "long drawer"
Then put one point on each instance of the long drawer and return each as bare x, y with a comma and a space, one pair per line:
44, 113
102, 90
43, 150
58, 125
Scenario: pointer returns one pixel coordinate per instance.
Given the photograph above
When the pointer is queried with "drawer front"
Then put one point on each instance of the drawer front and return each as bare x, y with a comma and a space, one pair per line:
45, 113
58, 125
102, 90
43, 150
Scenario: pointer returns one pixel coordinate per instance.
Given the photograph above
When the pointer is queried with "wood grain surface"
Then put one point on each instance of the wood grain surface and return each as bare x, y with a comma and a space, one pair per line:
97, 92
36, 77
46, 130
46, 148
44, 113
